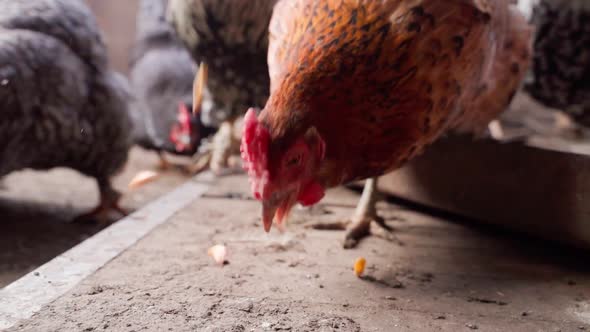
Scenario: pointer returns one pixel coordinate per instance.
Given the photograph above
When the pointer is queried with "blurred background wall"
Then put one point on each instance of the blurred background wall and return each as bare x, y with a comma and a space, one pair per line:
117, 21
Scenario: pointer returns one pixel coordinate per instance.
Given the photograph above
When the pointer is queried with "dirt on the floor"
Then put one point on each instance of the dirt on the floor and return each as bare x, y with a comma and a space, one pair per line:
430, 276
36, 210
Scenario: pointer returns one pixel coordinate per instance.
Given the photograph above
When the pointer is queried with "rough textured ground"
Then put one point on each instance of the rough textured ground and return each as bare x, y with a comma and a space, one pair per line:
436, 276
36, 209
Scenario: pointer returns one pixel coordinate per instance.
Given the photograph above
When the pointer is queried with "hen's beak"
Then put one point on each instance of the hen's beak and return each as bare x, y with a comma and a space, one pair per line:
198, 86
277, 206
269, 208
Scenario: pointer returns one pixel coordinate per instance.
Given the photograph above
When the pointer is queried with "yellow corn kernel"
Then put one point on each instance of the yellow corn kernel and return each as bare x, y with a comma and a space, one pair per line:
359, 266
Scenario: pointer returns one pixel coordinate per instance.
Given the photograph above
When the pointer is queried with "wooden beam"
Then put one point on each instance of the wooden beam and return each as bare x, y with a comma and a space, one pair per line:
540, 192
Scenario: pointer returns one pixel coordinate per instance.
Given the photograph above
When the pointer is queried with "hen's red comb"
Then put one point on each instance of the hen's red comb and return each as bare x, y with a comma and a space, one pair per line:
254, 152
181, 131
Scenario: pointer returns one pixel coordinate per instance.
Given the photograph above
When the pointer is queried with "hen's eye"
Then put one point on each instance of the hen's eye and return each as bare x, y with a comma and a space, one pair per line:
294, 161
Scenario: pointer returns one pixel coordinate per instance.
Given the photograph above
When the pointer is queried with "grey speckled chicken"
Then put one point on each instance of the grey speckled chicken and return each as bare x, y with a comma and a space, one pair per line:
560, 75
231, 37
162, 73
60, 105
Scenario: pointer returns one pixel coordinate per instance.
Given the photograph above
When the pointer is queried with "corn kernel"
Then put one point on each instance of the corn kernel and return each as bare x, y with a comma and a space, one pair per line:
142, 178
359, 266
219, 253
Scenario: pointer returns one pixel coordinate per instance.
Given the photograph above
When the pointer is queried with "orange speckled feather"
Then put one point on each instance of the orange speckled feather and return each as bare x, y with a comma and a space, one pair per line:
381, 79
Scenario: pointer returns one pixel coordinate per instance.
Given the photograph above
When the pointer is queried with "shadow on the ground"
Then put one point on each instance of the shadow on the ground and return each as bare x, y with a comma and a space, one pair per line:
32, 233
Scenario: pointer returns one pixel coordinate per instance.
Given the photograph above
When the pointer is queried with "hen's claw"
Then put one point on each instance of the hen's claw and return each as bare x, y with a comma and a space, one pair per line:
103, 213
364, 215
199, 165
361, 228
223, 146
496, 130
164, 164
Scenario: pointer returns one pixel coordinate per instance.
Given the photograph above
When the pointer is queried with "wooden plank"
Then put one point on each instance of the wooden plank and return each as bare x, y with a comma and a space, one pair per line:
541, 192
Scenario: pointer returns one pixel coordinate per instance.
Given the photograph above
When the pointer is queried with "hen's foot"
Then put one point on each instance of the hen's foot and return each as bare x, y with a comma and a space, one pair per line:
496, 130
163, 164
219, 156
565, 126
361, 228
102, 215
224, 146
106, 210
199, 164
365, 213
166, 165
356, 230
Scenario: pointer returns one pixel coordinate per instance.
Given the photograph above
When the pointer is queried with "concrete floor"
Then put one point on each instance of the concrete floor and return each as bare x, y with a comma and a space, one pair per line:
36, 209
434, 275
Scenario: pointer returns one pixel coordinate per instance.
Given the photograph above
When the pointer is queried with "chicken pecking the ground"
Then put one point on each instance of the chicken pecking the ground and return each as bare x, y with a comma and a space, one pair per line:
60, 104
359, 87
162, 73
560, 71
231, 38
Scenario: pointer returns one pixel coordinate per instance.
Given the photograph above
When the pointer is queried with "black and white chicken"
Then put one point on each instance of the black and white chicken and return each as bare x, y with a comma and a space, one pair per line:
231, 38
560, 72
60, 104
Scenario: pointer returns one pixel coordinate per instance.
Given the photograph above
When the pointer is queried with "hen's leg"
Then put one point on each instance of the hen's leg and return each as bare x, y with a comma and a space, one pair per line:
223, 146
109, 203
365, 213
167, 165
164, 164
359, 224
566, 126
496, 130
200, 163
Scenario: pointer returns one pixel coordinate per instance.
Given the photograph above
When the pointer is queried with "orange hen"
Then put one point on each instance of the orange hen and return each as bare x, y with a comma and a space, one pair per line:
359, 87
